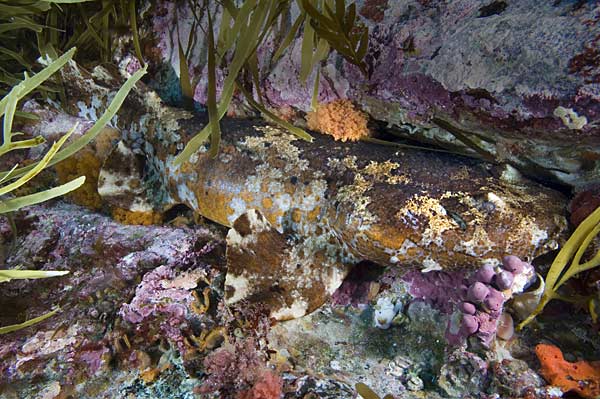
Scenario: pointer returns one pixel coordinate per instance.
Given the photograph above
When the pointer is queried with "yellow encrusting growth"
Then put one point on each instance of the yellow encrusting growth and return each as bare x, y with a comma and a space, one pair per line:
139, 218
340, 119
84, 163
87, 162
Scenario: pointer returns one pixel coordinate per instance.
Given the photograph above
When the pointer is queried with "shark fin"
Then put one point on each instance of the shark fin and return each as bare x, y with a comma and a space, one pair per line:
266, 266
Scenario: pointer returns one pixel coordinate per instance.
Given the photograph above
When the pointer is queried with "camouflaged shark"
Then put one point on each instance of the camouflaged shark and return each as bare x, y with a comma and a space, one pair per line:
301, 214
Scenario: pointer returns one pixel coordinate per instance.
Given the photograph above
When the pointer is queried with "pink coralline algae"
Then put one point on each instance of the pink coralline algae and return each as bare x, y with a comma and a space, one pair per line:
240, 369
437, 288
475, 305
95, 359
267, 387
163, 299
106, 261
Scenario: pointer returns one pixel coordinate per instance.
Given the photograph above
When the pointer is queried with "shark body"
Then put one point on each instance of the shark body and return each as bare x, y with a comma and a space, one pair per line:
301, 214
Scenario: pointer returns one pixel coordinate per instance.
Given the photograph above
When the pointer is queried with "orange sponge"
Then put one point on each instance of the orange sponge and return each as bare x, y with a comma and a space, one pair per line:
339, 119
582, 377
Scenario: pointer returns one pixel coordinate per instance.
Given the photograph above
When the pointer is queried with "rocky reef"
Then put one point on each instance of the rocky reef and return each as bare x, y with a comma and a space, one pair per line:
351, 265
508, 81
143, 313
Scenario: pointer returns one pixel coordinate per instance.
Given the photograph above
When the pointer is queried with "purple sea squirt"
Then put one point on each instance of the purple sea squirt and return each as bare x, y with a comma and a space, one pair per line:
482, 312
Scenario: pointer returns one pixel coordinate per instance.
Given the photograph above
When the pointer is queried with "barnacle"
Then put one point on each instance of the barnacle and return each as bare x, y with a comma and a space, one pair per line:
213, 338
121, 343
208, 339
200, 306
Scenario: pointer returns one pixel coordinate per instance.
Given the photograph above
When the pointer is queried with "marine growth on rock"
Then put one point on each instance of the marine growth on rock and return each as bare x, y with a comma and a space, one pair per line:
302, 199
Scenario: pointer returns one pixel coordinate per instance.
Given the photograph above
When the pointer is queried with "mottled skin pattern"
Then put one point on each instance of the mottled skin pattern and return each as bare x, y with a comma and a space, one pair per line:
334, 202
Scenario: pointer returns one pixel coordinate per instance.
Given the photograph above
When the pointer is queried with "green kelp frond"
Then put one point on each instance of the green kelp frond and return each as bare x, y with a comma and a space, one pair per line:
10, 181
30, 322
8, 275
339, 28
15, 178
187, 85
30, 29
250, 18
272, 117
82, 141
568, 262
327, 24
8, 108
213, 117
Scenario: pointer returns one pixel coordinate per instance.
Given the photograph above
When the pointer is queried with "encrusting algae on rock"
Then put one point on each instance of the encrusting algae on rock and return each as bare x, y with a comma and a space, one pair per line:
312, 210
139, 218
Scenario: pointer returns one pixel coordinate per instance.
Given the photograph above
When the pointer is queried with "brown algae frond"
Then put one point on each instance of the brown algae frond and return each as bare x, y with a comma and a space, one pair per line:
568, 263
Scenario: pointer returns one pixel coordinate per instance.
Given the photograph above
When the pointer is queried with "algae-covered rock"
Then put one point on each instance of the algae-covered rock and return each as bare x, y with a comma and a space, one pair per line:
517, 81
130, 290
